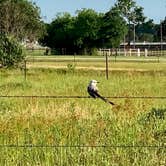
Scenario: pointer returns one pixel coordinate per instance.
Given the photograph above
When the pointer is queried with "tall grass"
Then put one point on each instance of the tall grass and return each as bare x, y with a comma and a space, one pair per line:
82, 122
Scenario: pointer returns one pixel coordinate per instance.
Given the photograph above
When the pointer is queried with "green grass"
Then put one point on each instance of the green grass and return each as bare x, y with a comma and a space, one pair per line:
33, 121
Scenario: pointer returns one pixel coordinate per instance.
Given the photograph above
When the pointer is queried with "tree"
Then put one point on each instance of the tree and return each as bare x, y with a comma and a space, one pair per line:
87, 25
60, 32
21, 19
10, 51
86, 31
74, 34
146, 31
113, 29
131, 12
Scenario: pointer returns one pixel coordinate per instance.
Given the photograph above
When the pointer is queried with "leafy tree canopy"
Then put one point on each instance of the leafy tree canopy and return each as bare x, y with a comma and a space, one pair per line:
21, 19
130, 11
87, 25
85, 31
113, 28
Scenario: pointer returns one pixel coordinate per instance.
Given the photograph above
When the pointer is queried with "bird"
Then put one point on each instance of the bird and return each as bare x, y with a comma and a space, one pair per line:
93, 91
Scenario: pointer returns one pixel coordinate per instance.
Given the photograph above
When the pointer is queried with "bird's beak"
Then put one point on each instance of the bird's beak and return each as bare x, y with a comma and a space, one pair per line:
98, 82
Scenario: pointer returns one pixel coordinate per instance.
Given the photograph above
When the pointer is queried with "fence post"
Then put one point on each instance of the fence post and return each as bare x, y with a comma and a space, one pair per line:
25, 70
138, 52
158, 58
74, 58
106, 61
158, 55
115, 54
146, 52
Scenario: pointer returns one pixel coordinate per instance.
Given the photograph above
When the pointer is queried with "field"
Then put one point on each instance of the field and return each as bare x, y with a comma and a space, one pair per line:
83, 131
119, 63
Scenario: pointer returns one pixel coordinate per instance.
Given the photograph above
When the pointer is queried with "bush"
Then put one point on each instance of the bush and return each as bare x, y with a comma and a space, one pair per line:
10, 51
71, 67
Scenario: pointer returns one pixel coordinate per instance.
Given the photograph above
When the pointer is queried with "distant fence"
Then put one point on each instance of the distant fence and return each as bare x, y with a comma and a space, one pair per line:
132, 52
110, 51
74, 59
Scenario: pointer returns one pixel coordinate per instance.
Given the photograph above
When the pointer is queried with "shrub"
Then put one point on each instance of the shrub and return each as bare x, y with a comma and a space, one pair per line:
10, 51
71, 67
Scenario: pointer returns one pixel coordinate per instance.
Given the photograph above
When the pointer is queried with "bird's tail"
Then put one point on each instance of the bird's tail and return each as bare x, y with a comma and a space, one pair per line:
104, 99
107, 101
111, 102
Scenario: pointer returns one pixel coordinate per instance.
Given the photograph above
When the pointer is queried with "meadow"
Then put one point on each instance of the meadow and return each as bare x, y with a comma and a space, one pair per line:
83, 131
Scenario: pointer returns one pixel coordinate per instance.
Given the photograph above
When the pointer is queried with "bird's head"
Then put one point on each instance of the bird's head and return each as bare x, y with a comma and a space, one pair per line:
93, 82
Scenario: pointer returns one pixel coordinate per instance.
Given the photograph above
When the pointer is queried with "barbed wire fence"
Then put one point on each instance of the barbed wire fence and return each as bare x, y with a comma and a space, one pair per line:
106, 59
85, 146
65, 149
81, 97
86, 154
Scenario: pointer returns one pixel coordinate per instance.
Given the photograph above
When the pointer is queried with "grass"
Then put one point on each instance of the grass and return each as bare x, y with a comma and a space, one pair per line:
86, 122
84, 58
118, 66
98, 63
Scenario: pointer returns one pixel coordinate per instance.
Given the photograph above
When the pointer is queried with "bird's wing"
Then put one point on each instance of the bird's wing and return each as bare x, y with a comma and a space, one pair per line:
94, 93
91, 92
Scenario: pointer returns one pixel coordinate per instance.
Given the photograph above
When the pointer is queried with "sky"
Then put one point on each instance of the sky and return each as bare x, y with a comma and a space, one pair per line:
153, 9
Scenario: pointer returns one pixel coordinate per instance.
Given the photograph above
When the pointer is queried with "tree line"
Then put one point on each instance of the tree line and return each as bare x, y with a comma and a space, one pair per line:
85, 32
88, 30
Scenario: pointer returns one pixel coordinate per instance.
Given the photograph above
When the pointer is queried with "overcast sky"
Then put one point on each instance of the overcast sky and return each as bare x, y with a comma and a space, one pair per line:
154, 9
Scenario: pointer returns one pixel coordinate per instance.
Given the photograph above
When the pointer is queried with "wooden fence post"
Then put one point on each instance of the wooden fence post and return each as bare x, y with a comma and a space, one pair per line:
25, 70
106, 61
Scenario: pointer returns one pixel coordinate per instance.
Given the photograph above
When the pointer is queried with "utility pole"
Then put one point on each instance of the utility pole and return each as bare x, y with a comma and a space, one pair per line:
134, 35
161, 36
129, 35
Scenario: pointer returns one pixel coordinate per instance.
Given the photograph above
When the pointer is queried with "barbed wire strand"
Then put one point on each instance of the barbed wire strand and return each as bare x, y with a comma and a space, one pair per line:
83, 146
86, 97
